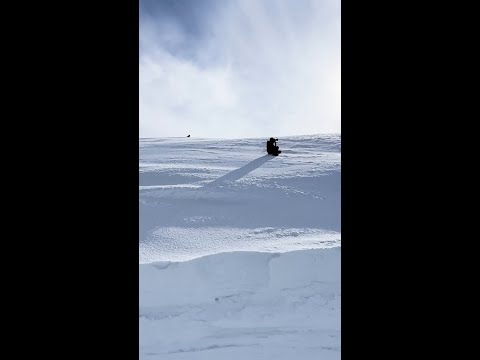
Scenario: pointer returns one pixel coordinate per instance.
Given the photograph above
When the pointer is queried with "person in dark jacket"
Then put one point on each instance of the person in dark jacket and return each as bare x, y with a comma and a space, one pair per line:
272, 147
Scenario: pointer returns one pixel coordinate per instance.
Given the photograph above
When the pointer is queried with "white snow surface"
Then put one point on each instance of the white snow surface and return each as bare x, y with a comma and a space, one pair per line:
240, 250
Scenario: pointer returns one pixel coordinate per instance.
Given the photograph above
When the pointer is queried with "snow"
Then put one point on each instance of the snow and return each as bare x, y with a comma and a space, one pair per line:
239, 250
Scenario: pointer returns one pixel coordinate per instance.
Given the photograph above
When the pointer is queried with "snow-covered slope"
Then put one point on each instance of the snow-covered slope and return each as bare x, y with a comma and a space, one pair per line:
199, 197
239, 250
242, 305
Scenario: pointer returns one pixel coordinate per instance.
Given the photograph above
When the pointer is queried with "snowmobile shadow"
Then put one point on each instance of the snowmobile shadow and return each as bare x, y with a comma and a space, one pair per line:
241, 172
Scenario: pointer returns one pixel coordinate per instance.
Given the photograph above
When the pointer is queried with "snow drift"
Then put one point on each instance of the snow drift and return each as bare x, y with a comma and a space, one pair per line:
242, 305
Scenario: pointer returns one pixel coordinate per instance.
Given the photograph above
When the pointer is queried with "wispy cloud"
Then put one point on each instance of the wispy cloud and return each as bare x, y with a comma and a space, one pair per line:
239, 68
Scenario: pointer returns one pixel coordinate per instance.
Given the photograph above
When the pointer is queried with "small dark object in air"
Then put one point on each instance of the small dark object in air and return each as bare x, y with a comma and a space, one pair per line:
272, 147
188, 136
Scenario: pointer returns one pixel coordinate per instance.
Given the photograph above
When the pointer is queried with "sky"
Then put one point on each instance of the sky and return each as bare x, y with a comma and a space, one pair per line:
239, 68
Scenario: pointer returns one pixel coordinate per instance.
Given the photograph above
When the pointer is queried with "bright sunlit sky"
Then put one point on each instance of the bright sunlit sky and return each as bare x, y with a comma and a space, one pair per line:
239, 68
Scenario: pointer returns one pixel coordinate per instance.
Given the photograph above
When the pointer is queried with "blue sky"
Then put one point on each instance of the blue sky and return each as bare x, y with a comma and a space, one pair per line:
239, 68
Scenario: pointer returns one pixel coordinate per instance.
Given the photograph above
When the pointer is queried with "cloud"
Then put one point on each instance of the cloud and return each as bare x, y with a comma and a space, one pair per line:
240, 68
